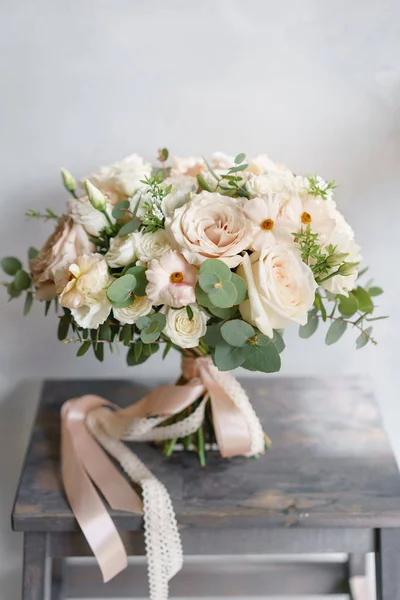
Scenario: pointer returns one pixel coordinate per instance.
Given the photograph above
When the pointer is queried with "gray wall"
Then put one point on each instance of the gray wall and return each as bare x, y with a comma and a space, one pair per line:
85, 82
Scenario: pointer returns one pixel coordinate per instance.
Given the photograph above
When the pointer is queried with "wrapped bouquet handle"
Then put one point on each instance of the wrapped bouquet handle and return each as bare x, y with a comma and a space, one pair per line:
91, 425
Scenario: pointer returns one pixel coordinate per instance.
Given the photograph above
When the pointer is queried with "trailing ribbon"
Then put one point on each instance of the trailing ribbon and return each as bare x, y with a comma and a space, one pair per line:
91, 424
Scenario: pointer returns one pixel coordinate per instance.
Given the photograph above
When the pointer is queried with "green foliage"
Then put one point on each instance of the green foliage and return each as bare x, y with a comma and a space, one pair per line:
46, 216
141, 282
84, 348
121, 292
121, 209
22, 281
218, 286
237, 332
311, 252
375, 291
129, 227
307, 330
154, 218
363, 338
318, 187
32, 253
63, 327
365, 303
28, 303
151, 327
11, 265
348, 306
335, 331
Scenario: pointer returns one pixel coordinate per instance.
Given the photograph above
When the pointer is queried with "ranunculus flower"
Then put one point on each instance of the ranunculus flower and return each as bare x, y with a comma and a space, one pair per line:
280, 286
89, 217
275, 218
140, 307
211, 226
68, 241
181, 330
183, 187
122, 251
151, 245
275, 182
172, 280
121, 179
82, 288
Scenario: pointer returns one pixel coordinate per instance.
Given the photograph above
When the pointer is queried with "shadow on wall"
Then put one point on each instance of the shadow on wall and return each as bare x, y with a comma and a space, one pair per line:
17, 409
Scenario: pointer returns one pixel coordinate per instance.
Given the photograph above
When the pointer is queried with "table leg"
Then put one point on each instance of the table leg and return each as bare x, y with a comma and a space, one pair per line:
34, 566
57, 569
388, 564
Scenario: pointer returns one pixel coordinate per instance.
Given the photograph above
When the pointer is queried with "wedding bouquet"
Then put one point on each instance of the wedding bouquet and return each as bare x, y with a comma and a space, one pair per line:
210, 258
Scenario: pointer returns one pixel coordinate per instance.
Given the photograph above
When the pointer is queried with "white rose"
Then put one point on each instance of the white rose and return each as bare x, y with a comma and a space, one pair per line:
263, 164
342, 238
122, 251
82, 289
280, 286
275, 182
211, 226
140, 307
121, 179
190, 165
181, 330
89, 217
151, 245
183, 186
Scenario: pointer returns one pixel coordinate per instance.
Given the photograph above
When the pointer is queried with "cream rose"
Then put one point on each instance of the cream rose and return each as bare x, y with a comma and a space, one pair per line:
68, 241
140, 307
281, 289
121, 179
122, 251
89, 217
211, 226
181, 330
151, 245
82, 288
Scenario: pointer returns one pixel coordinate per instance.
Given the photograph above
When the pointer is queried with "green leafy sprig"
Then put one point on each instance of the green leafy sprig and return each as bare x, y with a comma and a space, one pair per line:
230, 183
318, 187
48, 214
154, 218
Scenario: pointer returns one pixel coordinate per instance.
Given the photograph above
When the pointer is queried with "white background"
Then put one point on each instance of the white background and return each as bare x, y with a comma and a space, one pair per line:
84, 82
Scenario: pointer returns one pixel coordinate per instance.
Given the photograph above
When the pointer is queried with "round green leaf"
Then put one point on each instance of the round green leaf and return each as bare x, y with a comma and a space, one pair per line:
375, 291
121, 290
241, 288
307, 330
13, 292
213, 335
365, 303
277, 339
228, 357
142, 322
118, 211
22, 281
263, 356
209, 282
141, 282
222, 313
11, 265
32, 253
237, 332
217, 267
348, 306
224, 296
129, 227
335, 331
202, 297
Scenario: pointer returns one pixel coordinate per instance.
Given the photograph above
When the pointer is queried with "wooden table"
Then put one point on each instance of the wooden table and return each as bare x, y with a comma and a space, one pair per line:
329, 484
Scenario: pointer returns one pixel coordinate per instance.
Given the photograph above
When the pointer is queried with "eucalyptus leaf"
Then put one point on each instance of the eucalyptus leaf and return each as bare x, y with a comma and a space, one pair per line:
213, 335
228, 357
126, 334
241, 288
10, 265
217, 267
237, 332
13, 291
141, 282
32, 253
203, 184
365, 303
63, 327
131, 358
375, 291
202, 297
307, 330
335, 331
239, 158
348, 306
98, 350
363, 338
224, 296
209, 282
84, 348
223, 313
277, 340
120, 208
142, 322
22, 281
28, 303
121, 290
129, 227
264, 358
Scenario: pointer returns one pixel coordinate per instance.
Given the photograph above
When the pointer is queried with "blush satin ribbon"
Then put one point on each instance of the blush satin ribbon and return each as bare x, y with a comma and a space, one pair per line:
91, 423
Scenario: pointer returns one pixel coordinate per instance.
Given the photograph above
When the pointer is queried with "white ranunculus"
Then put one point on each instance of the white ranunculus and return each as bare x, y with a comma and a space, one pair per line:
122, 251
82, 288
181, 330
140, 307
120, 180
280, 286
211, 226
151, 245
183, 187
276, 182
89, 217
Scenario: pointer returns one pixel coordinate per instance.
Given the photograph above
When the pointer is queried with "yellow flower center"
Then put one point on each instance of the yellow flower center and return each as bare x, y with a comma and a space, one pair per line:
306, 218
176, 277
268, 224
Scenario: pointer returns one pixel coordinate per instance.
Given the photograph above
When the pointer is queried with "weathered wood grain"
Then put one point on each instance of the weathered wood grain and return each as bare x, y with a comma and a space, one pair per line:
330, 464
34, 566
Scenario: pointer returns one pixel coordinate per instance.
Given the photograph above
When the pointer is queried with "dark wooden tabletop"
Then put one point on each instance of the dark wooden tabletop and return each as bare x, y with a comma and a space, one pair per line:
330, 464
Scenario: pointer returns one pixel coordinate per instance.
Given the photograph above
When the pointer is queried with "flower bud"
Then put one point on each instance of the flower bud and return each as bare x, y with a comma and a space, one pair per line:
68, 180
348, 268
334, 260
96, 197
